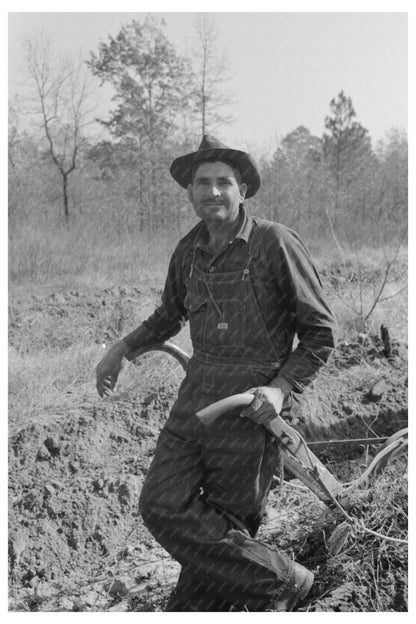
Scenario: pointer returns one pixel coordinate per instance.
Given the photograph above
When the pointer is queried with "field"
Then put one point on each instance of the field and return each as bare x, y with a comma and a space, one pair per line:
77, 462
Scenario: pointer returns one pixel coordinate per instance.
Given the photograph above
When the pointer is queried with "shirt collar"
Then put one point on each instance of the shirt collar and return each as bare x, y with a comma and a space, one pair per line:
243, 233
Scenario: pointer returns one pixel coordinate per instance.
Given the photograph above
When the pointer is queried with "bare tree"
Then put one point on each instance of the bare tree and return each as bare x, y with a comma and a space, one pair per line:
60, 98
211, 72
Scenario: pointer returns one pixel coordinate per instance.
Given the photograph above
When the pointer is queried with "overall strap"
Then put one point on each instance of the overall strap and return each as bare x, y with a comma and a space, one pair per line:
193, 248
257, 236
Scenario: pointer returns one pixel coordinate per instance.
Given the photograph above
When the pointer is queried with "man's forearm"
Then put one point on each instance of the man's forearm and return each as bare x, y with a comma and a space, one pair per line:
137, 339
282, 384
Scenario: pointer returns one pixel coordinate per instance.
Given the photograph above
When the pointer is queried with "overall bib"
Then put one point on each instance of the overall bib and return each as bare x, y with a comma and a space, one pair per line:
206, 489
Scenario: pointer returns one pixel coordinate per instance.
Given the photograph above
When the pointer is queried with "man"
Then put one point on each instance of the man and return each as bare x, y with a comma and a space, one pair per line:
247, 286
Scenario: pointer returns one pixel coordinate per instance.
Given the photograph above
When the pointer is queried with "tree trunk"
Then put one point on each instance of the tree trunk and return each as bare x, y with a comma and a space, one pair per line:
65, 195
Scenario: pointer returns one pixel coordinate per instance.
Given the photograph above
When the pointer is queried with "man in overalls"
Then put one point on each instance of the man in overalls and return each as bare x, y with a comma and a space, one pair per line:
247, 286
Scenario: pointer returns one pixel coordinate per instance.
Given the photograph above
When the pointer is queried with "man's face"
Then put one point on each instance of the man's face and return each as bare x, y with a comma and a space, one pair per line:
216, 192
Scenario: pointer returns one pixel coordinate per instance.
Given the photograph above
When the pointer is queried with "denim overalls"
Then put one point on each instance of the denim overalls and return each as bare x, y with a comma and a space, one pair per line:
206, 488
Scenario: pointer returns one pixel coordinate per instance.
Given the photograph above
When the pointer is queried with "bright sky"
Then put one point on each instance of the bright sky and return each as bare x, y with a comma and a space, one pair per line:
285, 67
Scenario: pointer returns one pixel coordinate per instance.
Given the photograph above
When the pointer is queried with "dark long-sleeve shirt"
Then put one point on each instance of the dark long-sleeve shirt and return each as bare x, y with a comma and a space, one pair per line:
287, 288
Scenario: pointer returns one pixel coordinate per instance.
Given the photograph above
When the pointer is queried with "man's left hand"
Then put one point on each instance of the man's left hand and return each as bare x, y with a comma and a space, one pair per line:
266, 405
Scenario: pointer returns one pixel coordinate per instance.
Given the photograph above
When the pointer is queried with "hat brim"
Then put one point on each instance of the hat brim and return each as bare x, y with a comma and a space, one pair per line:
181, 168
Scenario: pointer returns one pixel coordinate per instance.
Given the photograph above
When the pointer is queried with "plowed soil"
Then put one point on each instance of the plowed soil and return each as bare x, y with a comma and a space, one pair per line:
77, 462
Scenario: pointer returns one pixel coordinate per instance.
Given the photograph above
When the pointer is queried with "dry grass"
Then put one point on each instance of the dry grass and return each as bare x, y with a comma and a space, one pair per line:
84, 253
57, 350
45, 386
93, 256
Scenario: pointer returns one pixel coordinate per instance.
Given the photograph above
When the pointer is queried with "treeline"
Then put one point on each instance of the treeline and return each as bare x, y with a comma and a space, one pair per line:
339, 183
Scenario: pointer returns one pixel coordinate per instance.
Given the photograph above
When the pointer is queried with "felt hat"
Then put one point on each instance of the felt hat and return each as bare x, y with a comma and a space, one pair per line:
211, 148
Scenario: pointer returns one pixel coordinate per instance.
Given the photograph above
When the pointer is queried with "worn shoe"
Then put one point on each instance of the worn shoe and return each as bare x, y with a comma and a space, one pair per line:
298, 587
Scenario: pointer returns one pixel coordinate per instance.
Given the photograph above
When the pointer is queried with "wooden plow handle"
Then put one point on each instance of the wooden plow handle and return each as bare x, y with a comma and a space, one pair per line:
301, 461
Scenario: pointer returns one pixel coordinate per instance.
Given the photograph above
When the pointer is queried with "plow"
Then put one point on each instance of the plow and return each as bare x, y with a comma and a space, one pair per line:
296, 453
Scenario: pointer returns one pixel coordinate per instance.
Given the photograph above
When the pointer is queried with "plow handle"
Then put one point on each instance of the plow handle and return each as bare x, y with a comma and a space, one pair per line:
297, 456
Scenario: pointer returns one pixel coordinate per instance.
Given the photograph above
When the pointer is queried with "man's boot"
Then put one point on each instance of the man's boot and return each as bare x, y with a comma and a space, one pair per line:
298, 587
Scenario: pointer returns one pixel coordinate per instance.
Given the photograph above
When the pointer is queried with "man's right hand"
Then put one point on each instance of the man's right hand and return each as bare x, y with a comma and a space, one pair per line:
109, 367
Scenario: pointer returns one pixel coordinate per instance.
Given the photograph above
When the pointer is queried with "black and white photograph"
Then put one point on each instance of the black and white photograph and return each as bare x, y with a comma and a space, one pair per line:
207, 253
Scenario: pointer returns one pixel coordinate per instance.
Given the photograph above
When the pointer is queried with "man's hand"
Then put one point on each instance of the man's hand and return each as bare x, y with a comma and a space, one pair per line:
109, 367
266, 405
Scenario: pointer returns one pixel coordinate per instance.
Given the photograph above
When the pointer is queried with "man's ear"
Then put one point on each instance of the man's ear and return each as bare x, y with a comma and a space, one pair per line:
243, 190
190, 196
